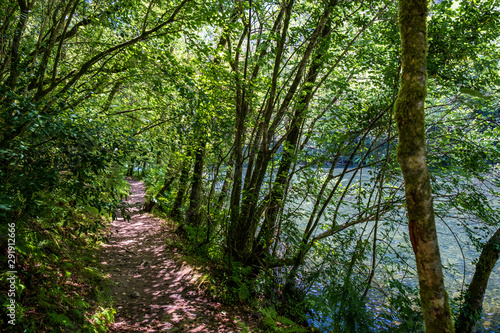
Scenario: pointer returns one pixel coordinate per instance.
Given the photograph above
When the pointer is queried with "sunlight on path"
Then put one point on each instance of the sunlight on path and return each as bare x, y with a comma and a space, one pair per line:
153, 290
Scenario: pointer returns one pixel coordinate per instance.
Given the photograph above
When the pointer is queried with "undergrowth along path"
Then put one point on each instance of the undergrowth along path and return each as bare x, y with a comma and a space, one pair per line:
154, 290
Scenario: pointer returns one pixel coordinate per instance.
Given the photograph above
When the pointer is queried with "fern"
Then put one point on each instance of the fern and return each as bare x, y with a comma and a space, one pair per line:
60, 320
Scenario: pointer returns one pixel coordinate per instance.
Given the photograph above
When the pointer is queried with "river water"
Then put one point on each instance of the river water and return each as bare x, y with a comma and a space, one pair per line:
457, 254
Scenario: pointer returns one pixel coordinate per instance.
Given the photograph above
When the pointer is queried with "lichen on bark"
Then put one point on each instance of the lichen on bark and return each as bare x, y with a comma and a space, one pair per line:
410, 119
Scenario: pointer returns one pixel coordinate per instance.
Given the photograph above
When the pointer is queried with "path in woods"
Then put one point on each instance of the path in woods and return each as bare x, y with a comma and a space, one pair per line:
153, 289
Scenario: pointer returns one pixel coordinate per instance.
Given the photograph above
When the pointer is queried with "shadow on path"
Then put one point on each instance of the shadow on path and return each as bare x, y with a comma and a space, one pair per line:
153, 290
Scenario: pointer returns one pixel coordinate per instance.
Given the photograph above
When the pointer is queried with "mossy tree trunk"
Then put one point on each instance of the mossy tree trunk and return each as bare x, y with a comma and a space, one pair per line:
143, 172
470, 311
409, 115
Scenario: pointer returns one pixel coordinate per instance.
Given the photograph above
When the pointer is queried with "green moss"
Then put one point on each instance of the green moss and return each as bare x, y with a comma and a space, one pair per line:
410, 117
409, 106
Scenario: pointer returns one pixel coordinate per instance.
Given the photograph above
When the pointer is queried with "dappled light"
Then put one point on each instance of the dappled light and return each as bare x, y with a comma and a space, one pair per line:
153, 289
250, 166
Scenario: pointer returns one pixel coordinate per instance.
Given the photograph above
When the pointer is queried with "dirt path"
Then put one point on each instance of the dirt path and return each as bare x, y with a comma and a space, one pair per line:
153, 290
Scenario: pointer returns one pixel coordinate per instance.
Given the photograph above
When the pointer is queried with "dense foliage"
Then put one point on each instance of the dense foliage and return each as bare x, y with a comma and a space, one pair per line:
266, 130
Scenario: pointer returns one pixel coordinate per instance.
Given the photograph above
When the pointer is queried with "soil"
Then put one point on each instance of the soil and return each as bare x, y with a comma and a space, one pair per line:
154, 290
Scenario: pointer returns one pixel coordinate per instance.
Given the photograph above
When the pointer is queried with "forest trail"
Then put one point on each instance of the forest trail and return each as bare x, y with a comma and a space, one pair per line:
153, 289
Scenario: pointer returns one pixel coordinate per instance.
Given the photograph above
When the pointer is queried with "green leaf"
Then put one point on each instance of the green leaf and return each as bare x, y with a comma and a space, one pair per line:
474, 93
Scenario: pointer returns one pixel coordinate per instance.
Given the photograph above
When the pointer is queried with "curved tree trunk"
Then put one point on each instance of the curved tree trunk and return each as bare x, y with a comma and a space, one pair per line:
409, 114
470, 311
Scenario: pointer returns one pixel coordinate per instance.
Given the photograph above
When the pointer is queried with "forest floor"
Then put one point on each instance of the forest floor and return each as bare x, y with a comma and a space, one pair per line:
153, 288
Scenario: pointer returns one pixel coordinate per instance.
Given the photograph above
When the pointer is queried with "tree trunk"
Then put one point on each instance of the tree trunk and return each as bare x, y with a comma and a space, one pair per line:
183, 183
243, 232
234, 205
409, 115
130, 171
193, 213
242, 229
470, 311
225, 187
149, 204
276, 197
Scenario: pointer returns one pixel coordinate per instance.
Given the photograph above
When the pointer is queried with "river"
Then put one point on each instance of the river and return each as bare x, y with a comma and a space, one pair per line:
457, 254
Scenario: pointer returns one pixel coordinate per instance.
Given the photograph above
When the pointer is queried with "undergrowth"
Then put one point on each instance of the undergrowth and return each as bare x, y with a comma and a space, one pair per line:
60, 286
